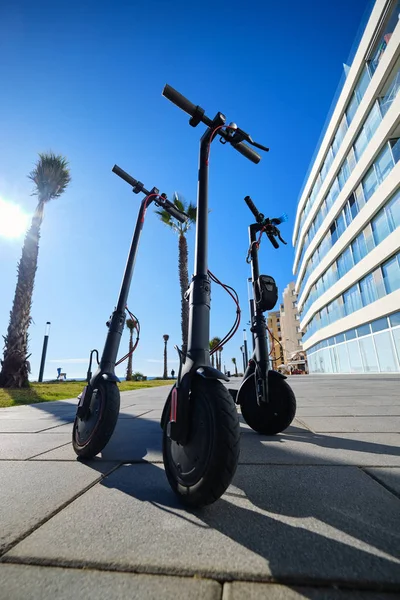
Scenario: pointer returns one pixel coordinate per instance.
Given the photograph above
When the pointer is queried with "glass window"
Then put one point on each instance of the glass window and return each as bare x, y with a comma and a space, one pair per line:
396, 339
341, 224
359, 248
359, 194
340, 338
369, 238
343, 357
391, 93
360, 144
363, 330
395, 319
352, 300
368, 355
345, 262
334, 233
372, 121
393, 212
379, 284
395, 145
391, 275
351, 159
362, 84
334, 360
350, 334
380, 227
351, 209
352, 108
385, 352
368, 290
356, 365
369, 183
379, 324
343, 174
335, 190
384, 164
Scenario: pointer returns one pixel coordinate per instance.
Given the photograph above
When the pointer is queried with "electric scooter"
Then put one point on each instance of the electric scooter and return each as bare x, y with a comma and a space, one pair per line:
200, 421
99, 403
267, 402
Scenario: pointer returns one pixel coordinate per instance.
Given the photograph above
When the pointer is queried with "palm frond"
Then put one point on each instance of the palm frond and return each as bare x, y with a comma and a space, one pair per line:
191, 211
51, 176
166, 218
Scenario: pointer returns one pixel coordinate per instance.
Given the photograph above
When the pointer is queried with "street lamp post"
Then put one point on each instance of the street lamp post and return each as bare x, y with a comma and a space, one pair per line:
44, 350
244, 364
246, 356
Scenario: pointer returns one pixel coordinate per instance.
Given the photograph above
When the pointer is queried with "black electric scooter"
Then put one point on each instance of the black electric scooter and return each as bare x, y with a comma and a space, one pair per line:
99, 403
267, 402
200, 421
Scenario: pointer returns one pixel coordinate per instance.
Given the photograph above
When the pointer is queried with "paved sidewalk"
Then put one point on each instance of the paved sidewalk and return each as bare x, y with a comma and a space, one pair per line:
312, 513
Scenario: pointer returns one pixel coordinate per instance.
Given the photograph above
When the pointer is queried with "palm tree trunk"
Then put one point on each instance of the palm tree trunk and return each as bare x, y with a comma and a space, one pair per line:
165, 376
129, 367
184, 283
15, 365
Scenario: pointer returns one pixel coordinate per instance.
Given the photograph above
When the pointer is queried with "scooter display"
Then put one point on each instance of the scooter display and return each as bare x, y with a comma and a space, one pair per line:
200, 421
99, 403
267, 402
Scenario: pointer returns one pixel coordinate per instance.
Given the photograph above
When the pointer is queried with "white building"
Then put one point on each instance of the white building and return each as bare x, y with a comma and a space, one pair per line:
347, 229
290, 325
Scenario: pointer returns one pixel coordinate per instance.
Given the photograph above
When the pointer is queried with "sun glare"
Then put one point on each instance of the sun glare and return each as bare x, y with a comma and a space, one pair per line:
13, 221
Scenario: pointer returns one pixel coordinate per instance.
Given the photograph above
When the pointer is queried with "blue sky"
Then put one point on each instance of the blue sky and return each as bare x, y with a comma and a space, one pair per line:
84, 79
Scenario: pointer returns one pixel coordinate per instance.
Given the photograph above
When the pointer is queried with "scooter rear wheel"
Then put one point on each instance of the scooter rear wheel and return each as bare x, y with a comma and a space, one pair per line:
200, 471
92, 434
274, 416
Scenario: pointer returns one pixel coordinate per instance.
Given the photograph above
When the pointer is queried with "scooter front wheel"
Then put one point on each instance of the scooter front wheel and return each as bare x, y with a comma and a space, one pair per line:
200, 471
91, 434
273, 416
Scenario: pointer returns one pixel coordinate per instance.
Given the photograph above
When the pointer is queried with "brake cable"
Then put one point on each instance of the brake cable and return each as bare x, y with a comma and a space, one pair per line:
233, 294
137, 327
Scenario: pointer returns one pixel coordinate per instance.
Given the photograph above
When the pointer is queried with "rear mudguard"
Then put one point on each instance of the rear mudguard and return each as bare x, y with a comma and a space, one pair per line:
250, 373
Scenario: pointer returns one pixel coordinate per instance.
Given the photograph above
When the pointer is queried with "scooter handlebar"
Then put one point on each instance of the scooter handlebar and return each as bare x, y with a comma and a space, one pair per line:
253, 209
247, 152
173, 211
176, 98
124, 175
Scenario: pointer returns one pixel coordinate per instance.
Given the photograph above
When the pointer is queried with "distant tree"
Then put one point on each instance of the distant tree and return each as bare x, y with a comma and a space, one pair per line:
51, 177
234, 362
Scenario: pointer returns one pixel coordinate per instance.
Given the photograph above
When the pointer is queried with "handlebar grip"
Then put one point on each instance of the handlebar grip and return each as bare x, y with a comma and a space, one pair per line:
124, 175
248, 152
252, 207
176, 98
273, 241
173, 211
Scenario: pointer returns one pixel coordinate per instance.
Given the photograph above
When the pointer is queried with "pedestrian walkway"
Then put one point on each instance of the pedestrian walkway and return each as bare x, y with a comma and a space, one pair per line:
312, 513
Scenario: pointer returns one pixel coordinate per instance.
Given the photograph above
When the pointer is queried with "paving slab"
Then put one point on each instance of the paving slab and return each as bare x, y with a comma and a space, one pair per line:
300, 446
376, 410
19, 582
314, 523
29, 493
357, 424
389, 476
21, 446
261, 591
30, 425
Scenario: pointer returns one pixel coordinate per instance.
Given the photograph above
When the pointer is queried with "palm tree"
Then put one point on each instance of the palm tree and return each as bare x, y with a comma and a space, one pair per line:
131, 324
213, 344
181, 229
220, 358
51, 177
166, 338
234, 362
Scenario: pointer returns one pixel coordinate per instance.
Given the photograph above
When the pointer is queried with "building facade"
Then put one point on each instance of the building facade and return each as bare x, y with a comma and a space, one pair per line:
347, 229
275, 339
290, 325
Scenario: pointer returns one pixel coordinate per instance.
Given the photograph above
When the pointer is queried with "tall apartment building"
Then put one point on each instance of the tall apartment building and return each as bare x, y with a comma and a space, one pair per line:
275, 338
290, 324
347, 229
